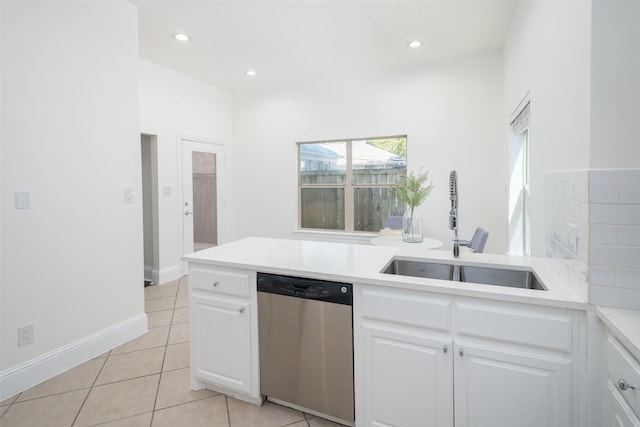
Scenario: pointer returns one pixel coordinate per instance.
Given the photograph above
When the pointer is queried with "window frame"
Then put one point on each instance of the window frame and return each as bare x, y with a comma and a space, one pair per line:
348, 187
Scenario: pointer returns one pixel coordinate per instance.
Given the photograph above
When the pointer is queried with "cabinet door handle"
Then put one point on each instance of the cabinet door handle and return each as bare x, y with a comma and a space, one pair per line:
241, 310
215, 283
623, 385
445, 348
461, 351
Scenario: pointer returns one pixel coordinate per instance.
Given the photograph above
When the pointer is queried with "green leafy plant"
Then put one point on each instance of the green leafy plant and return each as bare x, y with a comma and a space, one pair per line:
411, 189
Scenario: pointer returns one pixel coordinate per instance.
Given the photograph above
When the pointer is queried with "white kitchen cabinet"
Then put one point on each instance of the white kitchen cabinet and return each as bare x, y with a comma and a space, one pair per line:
617, 412
402, 358
406, 379
224, 348
437, 360
622, 403
497, 387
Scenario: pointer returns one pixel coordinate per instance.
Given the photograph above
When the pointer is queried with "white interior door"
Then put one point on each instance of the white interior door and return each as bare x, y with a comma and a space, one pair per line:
202, 194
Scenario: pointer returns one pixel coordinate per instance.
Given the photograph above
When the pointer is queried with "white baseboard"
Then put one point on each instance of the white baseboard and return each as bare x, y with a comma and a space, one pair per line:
167, 274
32, 372
149, 273
159, 277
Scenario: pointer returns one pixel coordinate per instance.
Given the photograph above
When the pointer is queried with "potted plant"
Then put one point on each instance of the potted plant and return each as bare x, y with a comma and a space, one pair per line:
412, 190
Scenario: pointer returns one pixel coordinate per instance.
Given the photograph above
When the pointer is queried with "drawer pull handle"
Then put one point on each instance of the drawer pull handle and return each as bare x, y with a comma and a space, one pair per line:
445, 349
461, 351
216, 283
623, 385
241, 310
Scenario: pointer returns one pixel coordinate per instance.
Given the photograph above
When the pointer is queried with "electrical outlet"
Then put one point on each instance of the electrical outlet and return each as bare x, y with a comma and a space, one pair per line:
25, 335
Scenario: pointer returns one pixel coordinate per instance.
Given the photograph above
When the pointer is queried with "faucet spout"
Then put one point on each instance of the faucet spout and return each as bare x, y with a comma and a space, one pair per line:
453, 214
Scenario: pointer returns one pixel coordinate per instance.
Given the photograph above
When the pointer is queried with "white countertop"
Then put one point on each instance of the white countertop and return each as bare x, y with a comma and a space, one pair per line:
625, 325
396, 240
362, 264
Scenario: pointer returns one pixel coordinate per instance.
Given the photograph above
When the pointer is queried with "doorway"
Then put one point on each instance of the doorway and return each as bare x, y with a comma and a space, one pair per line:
149, 156
202, 203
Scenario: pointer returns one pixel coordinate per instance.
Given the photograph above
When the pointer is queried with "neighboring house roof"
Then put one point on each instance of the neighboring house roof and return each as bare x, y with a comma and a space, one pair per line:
318, 150
364, 154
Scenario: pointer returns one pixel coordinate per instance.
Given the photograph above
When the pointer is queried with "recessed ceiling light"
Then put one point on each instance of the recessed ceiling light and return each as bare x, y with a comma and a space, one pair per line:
414, 44
251, 73
181, 37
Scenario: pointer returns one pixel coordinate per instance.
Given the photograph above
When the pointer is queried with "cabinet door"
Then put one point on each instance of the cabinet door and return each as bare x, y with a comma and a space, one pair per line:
617, 412
407, 379
502, 388
221, 341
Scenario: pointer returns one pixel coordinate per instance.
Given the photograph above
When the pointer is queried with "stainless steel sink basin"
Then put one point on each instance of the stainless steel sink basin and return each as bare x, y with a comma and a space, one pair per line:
429, 270
465, 273
500, 277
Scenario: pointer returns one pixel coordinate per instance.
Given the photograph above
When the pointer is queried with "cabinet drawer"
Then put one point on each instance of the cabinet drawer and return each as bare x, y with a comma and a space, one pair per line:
229, 282
408, 308
520, 326
617, 411
621, 365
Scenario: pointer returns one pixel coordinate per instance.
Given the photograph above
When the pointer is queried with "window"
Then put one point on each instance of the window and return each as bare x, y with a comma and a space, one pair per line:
348, 185
519, 223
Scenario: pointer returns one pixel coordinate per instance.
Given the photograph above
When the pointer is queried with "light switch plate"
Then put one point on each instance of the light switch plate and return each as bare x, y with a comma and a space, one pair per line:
23, 199
166, 191
129, 195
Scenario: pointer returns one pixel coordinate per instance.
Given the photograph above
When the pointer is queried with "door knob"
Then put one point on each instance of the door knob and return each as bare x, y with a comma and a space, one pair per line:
445, 349
461, 351
189, 213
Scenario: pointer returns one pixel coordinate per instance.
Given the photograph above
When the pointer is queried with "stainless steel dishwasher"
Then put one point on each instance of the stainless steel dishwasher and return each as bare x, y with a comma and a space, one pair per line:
306, 344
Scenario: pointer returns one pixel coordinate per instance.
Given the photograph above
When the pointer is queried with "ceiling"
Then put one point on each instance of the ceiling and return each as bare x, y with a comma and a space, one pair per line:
297, 39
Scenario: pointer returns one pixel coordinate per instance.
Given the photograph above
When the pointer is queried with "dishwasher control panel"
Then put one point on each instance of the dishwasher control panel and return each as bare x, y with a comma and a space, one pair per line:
299, 287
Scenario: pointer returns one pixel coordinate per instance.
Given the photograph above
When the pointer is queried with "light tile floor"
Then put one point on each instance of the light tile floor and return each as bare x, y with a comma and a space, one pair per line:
143, 383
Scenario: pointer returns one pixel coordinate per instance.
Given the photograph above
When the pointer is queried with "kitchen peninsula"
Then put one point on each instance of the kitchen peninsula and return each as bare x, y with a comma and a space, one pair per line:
426, 351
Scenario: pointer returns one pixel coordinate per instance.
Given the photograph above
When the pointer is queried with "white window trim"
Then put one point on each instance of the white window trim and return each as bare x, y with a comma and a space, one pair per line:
348, 186
356, 236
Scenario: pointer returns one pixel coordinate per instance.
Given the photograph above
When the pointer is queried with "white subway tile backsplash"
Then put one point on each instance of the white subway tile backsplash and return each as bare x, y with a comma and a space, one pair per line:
615, 176
603, 276
584, 212
581, 193
616, 256
615, 297
629, 235
630, 193
604, 193
604, 205
568, 190
604, 234
615, 214
574, 209
628, 278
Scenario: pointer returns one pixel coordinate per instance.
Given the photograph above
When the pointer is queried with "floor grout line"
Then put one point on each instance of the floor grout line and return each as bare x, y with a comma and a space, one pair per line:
93, 383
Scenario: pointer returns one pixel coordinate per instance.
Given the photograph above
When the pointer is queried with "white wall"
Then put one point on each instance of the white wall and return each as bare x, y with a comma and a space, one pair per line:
615, 85
172, 103
548, 55
451, 112
72, 263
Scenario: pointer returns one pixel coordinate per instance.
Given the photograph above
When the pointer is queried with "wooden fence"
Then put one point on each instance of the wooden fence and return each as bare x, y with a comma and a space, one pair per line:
324, 207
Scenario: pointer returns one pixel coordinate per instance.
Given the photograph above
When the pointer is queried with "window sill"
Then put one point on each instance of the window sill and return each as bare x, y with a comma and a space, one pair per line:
335, 235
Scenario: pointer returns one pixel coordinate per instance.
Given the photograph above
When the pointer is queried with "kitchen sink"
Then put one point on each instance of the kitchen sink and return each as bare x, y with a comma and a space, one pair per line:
465, 273
429, 270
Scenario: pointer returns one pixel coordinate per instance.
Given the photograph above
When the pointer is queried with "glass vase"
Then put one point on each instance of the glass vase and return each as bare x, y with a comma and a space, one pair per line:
412, 225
